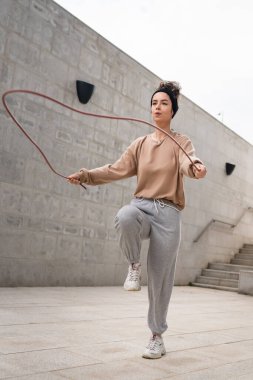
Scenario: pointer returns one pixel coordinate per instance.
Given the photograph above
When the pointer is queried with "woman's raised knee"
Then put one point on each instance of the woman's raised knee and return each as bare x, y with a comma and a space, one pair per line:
127, 216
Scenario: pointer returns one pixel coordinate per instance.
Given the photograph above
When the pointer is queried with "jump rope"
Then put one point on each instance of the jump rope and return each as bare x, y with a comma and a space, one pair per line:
80, 112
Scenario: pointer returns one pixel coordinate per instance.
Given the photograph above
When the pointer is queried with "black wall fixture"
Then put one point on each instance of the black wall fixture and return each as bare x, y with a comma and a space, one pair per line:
84, 91
229, 168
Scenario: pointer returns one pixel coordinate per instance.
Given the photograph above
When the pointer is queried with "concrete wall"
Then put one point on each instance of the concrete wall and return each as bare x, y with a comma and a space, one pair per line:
219, 196
52, 233
246, 282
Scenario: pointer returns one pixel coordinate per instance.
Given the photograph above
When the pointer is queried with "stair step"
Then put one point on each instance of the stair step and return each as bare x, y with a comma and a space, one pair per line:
246, 250
217, 281
250, 246
227, 288
244, 256
229, 267
225, 276
242, 262
220, 274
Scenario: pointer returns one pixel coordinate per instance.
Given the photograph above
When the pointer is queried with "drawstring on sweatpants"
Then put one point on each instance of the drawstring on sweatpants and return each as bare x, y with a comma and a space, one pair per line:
160, 202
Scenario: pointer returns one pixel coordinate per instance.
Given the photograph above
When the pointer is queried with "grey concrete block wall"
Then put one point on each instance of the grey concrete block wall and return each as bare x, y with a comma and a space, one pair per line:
52, 233
246, 282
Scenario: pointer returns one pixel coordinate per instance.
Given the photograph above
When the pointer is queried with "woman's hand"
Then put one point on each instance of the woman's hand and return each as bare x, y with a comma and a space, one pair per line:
74, 179
200, 172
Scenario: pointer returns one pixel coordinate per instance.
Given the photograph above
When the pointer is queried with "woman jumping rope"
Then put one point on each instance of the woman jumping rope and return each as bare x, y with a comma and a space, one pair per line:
154, 213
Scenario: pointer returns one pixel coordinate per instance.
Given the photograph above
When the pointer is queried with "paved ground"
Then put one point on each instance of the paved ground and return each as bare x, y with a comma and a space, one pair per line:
100, 333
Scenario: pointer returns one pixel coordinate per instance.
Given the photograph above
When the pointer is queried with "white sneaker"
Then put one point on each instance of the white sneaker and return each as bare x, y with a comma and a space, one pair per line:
133, 280
155, 348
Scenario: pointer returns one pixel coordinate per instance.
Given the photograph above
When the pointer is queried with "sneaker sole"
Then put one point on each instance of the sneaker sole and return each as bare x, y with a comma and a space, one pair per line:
132, 290
153, 356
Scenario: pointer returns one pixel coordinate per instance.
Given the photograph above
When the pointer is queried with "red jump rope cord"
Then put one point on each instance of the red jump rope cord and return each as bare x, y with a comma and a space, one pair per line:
80, 112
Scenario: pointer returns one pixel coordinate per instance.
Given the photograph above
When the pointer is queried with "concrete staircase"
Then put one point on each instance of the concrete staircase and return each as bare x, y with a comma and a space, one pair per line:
226, 276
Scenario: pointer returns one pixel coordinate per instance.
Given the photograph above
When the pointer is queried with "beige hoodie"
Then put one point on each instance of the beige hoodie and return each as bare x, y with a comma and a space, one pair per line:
159, 167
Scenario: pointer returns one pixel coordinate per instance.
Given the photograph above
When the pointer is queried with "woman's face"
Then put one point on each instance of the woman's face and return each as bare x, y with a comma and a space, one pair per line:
161, 107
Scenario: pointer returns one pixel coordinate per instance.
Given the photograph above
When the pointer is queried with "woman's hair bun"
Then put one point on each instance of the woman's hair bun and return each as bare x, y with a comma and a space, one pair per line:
172, 86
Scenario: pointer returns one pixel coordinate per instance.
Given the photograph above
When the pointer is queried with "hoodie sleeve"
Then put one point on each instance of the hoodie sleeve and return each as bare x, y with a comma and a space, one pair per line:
124, 167
184, 162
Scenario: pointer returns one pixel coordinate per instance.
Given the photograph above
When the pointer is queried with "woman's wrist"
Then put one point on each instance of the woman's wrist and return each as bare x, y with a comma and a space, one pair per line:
83, 173
199, 170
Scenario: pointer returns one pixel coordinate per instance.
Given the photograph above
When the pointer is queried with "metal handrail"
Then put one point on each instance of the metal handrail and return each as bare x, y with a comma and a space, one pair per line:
212, 221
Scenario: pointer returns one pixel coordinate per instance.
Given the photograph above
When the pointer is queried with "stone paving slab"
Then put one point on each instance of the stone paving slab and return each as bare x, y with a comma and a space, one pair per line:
97, 333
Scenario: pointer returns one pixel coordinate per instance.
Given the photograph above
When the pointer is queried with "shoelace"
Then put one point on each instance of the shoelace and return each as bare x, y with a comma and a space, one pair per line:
153, 344
134, 274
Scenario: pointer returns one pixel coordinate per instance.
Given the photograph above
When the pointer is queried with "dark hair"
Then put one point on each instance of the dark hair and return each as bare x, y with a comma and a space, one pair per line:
172, 89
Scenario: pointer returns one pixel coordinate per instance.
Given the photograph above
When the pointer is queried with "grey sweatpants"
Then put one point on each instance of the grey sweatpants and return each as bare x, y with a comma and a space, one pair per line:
149, 219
